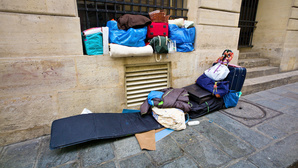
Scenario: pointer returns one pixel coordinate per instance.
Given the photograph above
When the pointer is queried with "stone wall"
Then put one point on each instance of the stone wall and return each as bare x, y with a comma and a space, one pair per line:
290, 56
45, 76
276, 34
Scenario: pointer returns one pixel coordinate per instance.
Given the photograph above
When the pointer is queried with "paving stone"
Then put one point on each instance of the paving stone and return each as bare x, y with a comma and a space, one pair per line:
71, 165
254, 138
292, 86
261, 160
285, 123
185, 137
166, 149
137, 161
126, 146
290, 110
250, 113
224, 140
272, 104
269, 95
280, 154
206, 154
20, 155
279, 90
181, 163
291, 95
105, 165
287, 101
52, 158
94, 153
272, 131
252, 97
243, 164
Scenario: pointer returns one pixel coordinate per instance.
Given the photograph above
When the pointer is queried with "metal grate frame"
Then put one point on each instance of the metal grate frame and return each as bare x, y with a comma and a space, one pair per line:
247, 22
96, 13
143, 78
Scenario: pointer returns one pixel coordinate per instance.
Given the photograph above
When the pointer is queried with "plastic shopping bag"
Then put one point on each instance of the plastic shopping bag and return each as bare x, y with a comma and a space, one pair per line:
218, 72
231, 99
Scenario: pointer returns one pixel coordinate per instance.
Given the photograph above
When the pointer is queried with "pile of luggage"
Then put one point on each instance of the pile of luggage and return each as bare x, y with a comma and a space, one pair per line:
218, 87
138, 35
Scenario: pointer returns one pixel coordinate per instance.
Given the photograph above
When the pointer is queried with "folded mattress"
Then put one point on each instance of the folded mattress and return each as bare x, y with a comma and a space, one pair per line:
95, 126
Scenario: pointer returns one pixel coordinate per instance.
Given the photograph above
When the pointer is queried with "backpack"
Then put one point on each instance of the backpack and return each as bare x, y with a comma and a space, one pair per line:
159, 44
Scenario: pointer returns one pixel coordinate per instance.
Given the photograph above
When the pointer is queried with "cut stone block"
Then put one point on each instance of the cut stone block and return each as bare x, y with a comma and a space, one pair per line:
24, 35
47, 7
219, 18
36, 75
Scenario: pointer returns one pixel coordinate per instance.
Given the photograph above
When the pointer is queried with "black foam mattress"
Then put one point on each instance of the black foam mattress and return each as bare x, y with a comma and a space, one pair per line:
86, 127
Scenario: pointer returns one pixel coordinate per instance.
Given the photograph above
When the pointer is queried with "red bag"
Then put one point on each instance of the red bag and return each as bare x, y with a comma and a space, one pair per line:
157, 29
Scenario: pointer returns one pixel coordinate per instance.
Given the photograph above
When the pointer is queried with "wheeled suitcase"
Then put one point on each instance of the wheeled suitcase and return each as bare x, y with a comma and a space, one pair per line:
236, 77
197, 94
157, 29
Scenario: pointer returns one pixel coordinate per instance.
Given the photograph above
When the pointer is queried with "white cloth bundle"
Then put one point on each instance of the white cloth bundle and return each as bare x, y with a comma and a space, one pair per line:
117, 50
173, 118
179, 22
92, 31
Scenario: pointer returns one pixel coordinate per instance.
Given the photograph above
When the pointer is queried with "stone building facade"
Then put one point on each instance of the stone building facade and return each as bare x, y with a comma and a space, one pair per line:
45, 75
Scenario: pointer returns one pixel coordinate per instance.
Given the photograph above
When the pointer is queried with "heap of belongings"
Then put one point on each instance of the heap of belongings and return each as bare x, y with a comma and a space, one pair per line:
218, 87
138, 35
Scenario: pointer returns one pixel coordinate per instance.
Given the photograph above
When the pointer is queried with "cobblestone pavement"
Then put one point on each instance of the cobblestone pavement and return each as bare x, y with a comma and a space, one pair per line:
218, 141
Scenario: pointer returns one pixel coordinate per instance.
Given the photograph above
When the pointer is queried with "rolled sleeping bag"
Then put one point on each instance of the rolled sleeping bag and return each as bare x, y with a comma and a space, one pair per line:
117, 50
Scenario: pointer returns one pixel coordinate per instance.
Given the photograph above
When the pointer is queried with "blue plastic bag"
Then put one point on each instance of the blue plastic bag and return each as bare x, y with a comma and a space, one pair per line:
184, 38
231, 99
207, 83
154, 94
131, 37
93, 44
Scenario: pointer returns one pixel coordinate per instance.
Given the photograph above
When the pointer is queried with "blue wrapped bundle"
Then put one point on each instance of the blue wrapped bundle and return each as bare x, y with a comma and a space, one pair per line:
131, 37
184, 38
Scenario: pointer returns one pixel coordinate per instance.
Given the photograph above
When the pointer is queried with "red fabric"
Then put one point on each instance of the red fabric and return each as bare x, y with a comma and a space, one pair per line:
157, 29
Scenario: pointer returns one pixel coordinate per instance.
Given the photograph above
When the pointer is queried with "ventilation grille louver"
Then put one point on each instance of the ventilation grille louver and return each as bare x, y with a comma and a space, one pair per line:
141, 79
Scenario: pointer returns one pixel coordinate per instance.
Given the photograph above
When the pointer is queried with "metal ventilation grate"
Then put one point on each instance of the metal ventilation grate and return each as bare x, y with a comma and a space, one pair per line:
141, 79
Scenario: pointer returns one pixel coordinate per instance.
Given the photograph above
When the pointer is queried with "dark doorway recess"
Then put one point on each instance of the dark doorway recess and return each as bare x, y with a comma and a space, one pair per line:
247, 22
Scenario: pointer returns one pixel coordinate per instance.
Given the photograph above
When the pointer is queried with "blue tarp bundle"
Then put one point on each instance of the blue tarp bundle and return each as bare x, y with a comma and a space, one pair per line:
184, 37
131, 37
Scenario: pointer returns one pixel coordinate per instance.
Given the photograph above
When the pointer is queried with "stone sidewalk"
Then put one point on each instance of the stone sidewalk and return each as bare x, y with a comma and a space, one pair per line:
220, 140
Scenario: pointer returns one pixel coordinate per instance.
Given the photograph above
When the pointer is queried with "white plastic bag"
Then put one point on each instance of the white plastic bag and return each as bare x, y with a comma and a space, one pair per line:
172, 118
217, 72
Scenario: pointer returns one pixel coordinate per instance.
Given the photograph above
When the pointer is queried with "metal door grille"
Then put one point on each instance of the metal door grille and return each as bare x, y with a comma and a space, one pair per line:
247, 22
96, 13
141, 79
